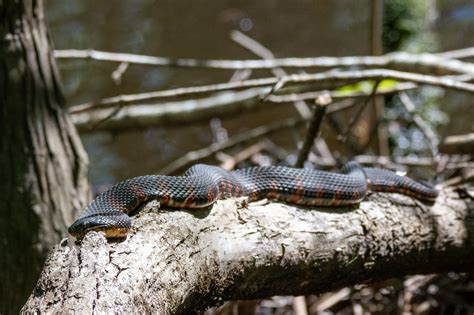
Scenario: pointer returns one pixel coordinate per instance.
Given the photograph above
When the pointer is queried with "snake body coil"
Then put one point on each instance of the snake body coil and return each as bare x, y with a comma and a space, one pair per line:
202, 185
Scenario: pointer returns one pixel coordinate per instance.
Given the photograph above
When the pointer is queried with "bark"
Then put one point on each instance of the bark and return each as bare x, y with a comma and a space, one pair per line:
43, 165
185, 261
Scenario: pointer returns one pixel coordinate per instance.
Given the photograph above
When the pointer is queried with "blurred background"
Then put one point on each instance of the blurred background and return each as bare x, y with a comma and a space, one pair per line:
303, 28
201, 29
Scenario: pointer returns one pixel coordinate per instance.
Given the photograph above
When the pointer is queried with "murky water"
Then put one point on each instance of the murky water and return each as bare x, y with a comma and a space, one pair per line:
200, 29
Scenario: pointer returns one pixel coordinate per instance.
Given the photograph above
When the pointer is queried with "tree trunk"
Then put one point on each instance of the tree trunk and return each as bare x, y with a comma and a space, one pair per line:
185, 261
43, 180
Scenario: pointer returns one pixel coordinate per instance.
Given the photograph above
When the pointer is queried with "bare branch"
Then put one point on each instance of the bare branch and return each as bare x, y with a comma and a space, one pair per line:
460, 144
229, 162
457, 54
421, 63
265, 53
325, 80
313, 129
251, 135
421, 123
339, 94
118, 73
355, 118
136, 116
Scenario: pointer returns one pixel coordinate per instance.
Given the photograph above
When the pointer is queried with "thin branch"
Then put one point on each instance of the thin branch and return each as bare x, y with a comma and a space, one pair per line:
355, 118
352, 144
467, 175
457, 54
400, 161
425, 63
458, 144
265, 53
339, 94
299, 305
372, 133
318, 80
421, 123
313, 130
300, 105
137, 116
229, 162
251, 135
118, 73
394, 162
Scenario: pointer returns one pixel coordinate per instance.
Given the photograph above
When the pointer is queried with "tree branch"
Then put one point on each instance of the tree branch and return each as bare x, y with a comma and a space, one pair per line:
420, 63
194, 157
143, 115
326, 80
180, 262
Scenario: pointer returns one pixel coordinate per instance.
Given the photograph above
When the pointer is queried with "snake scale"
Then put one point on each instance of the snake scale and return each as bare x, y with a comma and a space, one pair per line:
202, 185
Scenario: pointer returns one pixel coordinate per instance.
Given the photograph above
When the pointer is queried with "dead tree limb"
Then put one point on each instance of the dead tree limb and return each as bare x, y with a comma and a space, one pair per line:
458, 144
194, 157
144, 115
312, 133
185, 261
437, 64
326, 80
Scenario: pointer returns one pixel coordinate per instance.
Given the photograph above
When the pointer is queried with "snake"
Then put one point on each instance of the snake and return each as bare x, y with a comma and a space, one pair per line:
201, 185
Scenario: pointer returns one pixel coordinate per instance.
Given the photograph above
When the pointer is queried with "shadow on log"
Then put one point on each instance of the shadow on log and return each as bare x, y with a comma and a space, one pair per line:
185, 262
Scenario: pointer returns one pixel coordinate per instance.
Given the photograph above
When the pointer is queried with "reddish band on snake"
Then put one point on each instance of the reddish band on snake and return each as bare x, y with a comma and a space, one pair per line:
202, 185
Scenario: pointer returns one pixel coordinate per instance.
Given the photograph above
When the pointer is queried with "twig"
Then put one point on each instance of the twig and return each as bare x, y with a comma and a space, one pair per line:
321, 80
396, 162
458, 144
355, 118
390, 162
195, 156
137, 116
353, 145
230, 162
240, 75
421, 123
467, 175
299, 305
100, 121
339, 94
265, 53
341, 105
422, 63
313, 130
329, 299
117, 74
457, 54
260, 50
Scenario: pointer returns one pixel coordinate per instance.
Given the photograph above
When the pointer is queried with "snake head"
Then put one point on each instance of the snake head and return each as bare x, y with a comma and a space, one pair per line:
113, 225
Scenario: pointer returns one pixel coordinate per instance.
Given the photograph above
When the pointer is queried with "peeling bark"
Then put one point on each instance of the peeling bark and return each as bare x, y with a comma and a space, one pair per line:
186, 261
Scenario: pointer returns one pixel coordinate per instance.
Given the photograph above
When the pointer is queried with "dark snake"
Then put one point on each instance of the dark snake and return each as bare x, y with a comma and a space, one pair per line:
202, 185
